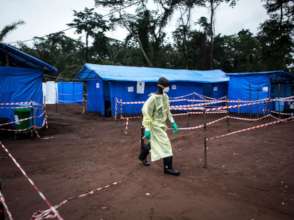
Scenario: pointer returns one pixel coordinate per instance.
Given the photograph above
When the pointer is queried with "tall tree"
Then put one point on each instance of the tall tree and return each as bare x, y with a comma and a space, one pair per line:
276, 35
91, 23
59, 50
284, 9
157, 22
9, 28
213, 5
191, 46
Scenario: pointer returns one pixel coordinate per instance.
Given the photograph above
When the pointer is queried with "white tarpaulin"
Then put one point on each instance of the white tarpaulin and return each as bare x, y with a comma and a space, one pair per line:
50, 92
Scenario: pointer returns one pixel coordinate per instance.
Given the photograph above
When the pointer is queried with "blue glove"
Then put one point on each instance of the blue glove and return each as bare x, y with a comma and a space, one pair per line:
147, 134
175, 128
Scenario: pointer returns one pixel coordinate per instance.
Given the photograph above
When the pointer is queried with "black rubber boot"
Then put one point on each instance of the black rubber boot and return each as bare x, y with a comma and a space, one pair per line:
168, 167
145, 149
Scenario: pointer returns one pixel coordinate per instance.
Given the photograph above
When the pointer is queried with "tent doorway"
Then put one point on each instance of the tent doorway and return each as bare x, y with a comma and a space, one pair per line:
107, 102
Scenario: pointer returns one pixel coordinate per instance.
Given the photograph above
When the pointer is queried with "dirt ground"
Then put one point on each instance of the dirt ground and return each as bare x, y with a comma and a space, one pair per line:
249, 175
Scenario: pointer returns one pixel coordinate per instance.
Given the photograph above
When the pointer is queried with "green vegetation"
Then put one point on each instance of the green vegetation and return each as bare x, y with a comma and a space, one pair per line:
192, 45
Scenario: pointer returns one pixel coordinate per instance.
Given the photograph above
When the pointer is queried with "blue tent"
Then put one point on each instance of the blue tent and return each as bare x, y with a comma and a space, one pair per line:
21, 81
260, 85
70, 92
106, 83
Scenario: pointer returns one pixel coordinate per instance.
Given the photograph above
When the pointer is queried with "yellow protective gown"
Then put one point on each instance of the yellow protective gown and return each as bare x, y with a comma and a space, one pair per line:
156, 112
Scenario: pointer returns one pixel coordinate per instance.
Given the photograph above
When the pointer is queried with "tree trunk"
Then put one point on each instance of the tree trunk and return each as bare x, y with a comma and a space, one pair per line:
282, 14
140, 43
211, 34
143, 51
87, 47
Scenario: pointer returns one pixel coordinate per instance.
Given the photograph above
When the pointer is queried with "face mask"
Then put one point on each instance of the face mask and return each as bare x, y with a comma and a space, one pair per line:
166, 90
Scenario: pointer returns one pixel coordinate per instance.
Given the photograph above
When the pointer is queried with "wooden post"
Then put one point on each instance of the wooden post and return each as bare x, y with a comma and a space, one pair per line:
279, 102
188, 120
56, 100
250, 98
228, 114
205, 138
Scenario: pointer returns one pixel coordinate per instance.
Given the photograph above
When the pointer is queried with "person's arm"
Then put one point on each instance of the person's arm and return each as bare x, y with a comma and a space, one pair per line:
171, 118
169, 114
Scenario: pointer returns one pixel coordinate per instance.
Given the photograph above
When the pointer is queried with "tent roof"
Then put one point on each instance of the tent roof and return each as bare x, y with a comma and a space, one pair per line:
22, 59
148, 74
274, 72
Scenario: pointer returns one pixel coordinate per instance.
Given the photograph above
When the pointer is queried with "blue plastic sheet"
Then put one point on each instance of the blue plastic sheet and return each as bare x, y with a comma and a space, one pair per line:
70, 92
148, 74
21, 85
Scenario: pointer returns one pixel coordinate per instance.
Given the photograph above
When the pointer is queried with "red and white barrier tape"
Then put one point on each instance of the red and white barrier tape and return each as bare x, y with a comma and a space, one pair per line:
251, 128
46, 214
282, 113
2, 200
16, 103
24, 119
176, 114
173, 101
274, 117
183, 96
56, 213
30, 103
211, 100
202, 125
250, 119
212, 122
127, 126
15, 107
196, 105
201, 112
219, 108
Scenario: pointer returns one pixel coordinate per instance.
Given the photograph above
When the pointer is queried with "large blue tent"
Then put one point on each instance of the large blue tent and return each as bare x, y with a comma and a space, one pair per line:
21, 82
260, 85
106, 83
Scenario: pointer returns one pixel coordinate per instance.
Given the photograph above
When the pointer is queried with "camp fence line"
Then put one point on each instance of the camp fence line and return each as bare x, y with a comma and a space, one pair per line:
46, 214
207, 110
218, 120
251, 128
3, 202
203, 105
35, 187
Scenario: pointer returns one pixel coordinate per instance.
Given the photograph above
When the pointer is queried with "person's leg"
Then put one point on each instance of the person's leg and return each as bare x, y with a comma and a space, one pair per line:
145, 149
168, 167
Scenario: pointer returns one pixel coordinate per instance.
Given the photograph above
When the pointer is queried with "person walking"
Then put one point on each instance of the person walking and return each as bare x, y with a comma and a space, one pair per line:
156, 113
